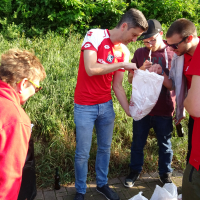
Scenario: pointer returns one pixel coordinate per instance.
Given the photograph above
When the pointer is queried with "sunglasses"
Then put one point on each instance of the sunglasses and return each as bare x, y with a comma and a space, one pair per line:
37, 87
175, 46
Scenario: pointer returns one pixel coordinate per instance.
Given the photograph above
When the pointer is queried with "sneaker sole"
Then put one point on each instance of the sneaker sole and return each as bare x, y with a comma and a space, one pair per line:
129, 186
103, 194
162, 181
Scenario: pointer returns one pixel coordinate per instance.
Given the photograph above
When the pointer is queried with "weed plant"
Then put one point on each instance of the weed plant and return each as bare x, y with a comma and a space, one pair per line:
51, 112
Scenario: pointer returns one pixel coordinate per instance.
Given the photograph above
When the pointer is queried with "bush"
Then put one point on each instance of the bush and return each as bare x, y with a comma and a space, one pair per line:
167, 11
34, 18
39, 16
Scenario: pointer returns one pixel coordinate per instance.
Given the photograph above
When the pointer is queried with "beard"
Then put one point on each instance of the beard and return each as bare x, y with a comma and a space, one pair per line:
183, 51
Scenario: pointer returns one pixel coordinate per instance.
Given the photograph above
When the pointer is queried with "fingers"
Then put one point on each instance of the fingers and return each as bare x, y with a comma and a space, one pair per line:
147, 64
130, 66
156, 68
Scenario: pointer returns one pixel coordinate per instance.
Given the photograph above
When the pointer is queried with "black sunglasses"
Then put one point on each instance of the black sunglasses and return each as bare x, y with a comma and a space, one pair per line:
175, 46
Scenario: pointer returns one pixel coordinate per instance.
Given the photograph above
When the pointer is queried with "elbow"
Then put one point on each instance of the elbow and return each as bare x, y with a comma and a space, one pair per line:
89, 72
114, 88
193, 112
192, 109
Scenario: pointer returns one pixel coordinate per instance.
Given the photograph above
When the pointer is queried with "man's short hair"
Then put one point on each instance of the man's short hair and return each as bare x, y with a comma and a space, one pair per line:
134, 18
183, 27
17, 64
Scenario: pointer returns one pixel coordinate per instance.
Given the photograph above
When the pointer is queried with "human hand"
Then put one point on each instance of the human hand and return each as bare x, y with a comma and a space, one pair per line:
146, 65
156, 68
129, 66
128, 113
177, 122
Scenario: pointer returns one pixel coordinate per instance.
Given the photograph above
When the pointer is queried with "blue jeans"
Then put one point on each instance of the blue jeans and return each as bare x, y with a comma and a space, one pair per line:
163, 128
85, 117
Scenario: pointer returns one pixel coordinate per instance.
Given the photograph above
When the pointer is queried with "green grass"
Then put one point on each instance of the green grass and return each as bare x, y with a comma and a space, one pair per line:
51, 112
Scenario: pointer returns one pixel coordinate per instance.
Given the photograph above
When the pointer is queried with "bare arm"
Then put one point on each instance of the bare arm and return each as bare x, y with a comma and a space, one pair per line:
93, 68
119, 91
192, 101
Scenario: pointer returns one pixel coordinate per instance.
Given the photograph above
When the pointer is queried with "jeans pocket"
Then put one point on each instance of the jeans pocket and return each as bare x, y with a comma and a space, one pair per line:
110, 102
191, 173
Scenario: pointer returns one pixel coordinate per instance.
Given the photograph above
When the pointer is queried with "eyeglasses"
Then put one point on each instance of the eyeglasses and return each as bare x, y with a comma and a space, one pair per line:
37, 87
152, 41
175, 46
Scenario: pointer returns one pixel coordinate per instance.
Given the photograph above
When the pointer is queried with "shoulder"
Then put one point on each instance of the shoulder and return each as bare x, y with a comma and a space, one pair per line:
125, 49
12, 113
95, 37
97, 33
140, 50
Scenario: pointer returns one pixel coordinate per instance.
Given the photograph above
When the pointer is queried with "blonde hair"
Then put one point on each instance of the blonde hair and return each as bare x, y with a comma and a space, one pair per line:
17, 64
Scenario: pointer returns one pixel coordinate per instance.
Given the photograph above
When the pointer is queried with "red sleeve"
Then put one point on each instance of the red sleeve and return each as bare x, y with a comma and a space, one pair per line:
14, 140
88, 46
194, 67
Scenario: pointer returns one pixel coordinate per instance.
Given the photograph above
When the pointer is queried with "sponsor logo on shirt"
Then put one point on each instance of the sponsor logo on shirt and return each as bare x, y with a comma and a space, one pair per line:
107, 47
110, 58
89, 33
187, 68
101, 61
87, 45
118, 54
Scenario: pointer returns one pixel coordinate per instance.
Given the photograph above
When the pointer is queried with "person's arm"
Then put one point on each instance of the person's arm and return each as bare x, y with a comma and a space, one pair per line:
93, 68
192, 101
119, 91
13, 150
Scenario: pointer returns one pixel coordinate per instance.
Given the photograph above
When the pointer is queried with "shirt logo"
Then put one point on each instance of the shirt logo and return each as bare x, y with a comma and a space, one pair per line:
87, 45
110, 58
106, 47
118, 54
102, 61
89, 33
187, 68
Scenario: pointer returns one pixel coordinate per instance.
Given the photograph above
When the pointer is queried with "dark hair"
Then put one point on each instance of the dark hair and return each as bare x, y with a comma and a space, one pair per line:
183, 27
18, 64
134, 18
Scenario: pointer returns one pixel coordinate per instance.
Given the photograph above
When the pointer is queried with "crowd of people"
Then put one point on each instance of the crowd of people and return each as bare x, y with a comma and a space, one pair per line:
103, 60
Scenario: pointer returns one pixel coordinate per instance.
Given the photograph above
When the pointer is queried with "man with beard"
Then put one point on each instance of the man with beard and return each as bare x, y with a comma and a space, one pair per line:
182, 39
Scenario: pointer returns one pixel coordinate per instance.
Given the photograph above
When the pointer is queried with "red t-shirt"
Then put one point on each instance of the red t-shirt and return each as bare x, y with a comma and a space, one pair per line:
91, 90
187, 60
194, 69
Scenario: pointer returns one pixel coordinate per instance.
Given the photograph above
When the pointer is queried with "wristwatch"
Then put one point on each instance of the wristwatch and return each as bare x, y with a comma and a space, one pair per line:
162, 72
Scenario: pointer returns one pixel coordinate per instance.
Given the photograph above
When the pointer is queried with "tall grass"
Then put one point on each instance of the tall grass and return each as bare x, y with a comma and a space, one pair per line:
51, 112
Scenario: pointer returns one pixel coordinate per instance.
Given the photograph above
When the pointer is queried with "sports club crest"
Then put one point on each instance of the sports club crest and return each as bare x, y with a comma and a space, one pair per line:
110, 58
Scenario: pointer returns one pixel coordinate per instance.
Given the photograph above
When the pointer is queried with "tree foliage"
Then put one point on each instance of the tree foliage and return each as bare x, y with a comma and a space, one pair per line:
36, 17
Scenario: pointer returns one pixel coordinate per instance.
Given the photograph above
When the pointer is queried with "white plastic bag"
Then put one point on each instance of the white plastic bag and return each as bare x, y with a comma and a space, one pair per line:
146, 87
167, 192
138, 197
180, 197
